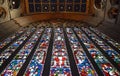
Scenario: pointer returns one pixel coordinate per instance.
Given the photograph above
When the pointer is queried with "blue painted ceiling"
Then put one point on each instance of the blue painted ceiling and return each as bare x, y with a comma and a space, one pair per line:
57, 6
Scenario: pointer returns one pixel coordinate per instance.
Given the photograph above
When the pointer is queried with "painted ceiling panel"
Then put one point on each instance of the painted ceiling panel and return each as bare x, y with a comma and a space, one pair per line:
45, 8
62, 1
45, 0
69, 7
53, 7
69, 0
77, 8
83, 7
38, 7
38, 1
31, 8
77, 0
30, 1
57, 5
61, 7
53, 1
83, 1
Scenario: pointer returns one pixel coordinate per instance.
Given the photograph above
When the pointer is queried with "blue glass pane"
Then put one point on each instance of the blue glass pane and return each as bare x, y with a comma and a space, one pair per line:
31, 8
38, 7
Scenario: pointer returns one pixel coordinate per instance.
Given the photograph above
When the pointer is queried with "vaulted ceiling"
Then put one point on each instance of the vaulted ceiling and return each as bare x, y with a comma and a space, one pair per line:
85, 10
